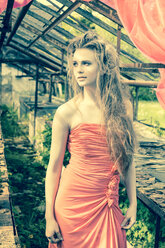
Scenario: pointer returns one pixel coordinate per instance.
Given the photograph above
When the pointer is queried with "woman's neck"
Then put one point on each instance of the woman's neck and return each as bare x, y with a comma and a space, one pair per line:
89, 96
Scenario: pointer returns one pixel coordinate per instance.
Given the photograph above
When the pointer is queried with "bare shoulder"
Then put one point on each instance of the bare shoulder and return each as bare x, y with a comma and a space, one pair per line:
66, 111
129, 108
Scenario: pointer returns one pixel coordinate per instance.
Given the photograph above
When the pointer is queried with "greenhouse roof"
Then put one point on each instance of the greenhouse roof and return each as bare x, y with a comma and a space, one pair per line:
40, 32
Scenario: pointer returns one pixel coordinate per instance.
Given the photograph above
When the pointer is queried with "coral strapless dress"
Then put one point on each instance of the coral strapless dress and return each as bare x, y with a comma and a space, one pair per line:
86, 206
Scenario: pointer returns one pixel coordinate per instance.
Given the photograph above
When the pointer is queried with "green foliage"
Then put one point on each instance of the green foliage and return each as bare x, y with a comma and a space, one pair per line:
142, 234
157, 130
26, 177
144, 94
26, 181
10, 127
86, 21
46, 141
152, 113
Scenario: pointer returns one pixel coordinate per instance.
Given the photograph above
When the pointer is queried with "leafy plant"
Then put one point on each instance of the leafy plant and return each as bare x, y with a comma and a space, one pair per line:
142, 234
144, 94
157, 130
46, 141
10, 128
26, 181
152, 113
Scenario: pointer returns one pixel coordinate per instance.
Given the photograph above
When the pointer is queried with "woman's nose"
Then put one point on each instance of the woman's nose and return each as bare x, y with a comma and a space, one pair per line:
80, 68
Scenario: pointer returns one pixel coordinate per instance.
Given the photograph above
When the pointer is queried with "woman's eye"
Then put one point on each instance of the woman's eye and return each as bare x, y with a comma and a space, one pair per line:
86, 63
83, 63
74, 64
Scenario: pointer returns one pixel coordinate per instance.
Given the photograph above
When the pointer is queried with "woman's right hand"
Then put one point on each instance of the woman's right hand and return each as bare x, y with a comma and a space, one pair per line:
52, 231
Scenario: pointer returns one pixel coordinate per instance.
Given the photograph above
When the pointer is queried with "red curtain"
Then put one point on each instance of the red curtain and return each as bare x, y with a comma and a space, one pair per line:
17, 4
144, 21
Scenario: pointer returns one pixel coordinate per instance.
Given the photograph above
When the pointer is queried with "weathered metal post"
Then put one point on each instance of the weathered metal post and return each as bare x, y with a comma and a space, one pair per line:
36, 101
0, 78
0, 84
137, 102
157, 232
66, 90
50, 88
118, 38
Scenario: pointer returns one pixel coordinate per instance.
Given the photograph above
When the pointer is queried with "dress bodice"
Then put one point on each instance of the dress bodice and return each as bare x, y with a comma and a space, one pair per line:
88, 146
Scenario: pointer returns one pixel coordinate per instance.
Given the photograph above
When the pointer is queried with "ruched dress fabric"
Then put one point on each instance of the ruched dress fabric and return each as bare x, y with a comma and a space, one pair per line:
86, 206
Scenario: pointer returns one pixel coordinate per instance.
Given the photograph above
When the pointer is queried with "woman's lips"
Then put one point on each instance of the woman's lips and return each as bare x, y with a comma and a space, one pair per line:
81, 77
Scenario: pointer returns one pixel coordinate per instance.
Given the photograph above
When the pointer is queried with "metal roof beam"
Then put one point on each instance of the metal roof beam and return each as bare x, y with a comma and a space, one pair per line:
73, 18
22, 61
42, 61
130, 56
134, 75
20, 17
55, 14
31, 72
28, 73
105, 10
49, 38
57, 45
62, 31
141, 83
144, 65
42, 58
130, 69
38, 45
136, 60
6, 21
98, 22
51, 41
59, 19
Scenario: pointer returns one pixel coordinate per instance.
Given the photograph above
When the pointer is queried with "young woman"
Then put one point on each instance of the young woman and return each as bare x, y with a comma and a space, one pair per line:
82, 205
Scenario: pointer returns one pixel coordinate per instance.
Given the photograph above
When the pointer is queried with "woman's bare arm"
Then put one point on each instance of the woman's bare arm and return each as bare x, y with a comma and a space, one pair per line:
60, 131
130, 183
59, 138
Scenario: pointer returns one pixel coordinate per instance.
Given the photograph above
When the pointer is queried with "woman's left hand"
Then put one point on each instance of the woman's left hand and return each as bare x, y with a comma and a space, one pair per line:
130, 217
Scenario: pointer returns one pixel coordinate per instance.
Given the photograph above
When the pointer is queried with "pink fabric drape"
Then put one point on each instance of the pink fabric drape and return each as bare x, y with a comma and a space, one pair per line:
144, 21
17, 4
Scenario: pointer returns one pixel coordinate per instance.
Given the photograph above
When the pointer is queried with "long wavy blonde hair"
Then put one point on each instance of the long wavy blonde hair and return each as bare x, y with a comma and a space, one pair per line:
111, 97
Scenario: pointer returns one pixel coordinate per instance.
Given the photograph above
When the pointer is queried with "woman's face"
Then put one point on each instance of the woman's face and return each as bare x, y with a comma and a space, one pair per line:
85, 67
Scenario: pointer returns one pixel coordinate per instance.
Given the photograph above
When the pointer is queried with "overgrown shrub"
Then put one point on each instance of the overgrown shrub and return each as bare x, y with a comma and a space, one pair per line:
45, 153
9, 120
142, 234
144, 94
